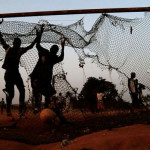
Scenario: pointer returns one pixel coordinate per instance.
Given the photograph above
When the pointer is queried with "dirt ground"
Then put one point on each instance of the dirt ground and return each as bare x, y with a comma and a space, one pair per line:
135, 137
91, 132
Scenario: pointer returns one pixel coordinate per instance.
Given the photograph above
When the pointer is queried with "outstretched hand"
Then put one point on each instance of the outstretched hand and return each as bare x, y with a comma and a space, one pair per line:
38, 33
63, 42
42, 27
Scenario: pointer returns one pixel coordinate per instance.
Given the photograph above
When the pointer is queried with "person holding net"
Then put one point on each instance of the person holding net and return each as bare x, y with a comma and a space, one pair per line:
12, 75
41, 76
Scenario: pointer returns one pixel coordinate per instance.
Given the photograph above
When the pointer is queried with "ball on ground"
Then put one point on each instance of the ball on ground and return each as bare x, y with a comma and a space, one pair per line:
47, 115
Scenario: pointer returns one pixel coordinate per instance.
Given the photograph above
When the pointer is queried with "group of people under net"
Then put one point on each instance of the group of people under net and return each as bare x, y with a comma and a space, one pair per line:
40, 77
135, 91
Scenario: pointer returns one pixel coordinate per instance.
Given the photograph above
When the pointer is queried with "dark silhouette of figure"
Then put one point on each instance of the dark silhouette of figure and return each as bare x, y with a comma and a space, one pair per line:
60, 102
133, 90
140, 87
42, 74
2, 104
12, 75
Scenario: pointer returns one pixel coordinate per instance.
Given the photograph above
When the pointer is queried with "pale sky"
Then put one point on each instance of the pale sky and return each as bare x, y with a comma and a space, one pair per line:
13, 6
75, 74
47, 5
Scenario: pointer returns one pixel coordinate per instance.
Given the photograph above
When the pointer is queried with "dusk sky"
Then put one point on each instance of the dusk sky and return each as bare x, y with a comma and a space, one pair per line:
75, 74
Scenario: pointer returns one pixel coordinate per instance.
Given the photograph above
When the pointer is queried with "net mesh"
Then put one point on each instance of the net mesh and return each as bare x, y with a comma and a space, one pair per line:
116, 43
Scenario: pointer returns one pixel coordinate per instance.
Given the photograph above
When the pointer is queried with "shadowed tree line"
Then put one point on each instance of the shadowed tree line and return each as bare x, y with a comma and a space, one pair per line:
88, 95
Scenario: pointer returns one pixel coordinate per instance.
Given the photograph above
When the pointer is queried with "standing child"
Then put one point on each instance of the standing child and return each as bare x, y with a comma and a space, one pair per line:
100, 104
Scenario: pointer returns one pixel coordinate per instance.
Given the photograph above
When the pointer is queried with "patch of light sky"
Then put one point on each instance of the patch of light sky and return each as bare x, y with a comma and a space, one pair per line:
77, 78
13, 6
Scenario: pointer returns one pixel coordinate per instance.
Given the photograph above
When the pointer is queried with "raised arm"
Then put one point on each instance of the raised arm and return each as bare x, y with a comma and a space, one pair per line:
25, 49
39, 35
31, 45
61, 57
5, 45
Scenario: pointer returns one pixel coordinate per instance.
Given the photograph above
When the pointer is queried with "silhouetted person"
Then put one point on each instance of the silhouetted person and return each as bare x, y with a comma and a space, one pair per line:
140, 95
132, 85
2, 104
100, 103
60, 102
42, 74
59, 108
12, 75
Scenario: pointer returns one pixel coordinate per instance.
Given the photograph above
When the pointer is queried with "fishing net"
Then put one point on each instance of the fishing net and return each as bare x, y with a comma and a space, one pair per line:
116, 43
113, 43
